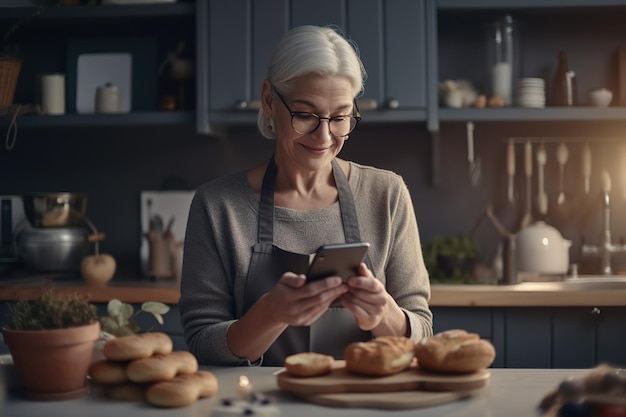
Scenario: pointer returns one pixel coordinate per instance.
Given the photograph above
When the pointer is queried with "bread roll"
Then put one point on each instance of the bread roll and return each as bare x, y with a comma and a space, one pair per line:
161, 367
182, 390
128, 391
137, 346
381, 356
308, 364
108, 372
454, 351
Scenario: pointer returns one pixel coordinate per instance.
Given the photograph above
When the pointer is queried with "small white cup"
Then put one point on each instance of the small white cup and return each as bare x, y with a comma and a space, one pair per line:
108, 99
600, 97
53, 94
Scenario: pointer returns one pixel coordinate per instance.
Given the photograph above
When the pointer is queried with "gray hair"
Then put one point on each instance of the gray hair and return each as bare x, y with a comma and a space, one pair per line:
308, 50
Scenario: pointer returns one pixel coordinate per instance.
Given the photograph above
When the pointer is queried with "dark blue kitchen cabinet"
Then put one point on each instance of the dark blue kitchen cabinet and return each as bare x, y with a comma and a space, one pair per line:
390, 35
544, 337
565, 337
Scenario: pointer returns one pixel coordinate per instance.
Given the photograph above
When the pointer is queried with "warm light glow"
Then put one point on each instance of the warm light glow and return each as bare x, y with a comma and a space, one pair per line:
545, 241
244, 390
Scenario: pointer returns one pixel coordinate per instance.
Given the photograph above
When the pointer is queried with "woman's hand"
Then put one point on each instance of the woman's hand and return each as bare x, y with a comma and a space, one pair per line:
294, 302
372, 306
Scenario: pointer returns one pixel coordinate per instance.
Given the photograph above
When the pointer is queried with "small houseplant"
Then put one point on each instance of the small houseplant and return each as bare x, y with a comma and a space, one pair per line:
51, 340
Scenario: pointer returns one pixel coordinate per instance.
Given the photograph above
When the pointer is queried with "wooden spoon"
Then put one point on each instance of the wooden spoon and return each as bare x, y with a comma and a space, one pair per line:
528, 171
562, 154
542, 197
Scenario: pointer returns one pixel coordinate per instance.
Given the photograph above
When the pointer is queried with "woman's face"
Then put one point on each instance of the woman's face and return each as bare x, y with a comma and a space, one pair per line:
324, 96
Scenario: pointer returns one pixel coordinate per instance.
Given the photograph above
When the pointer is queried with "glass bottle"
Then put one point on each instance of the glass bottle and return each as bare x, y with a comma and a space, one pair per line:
502, 56
564, 83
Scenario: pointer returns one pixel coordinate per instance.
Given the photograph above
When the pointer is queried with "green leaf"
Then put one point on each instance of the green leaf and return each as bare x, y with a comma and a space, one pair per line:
155, 308
127, 311
109, 325
114, 307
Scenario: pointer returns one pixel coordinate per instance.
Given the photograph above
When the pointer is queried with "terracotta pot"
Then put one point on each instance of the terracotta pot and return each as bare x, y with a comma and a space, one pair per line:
52, 364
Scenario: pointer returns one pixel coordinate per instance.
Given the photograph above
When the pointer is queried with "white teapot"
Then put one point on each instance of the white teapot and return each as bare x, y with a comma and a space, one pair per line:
541, 249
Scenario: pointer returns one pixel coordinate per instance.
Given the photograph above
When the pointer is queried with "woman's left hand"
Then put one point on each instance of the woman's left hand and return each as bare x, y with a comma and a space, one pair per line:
367, 299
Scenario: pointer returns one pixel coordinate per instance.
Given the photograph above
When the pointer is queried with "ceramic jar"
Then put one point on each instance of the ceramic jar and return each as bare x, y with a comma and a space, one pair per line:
108, 99
541, 249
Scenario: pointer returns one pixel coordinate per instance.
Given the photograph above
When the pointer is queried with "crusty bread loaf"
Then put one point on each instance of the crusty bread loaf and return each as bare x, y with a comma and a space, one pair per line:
308, 364
108, 372
381, 356
454, 351
128, 391
161, 367
182, 390
137, 346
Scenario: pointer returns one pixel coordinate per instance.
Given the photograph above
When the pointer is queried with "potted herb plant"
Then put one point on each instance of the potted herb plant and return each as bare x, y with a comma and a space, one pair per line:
51, 340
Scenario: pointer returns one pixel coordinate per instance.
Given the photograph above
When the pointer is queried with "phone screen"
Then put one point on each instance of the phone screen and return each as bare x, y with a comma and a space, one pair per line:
340, 259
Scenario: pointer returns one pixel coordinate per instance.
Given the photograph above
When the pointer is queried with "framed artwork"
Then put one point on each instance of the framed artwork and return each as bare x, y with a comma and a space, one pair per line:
129, 63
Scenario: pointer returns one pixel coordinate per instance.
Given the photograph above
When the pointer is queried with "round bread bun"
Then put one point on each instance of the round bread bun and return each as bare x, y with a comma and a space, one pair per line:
454, 351
107, 372
308, 364
137, 346
384, 355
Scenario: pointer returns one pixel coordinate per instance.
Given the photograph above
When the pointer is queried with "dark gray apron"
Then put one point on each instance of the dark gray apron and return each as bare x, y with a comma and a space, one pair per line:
336, 328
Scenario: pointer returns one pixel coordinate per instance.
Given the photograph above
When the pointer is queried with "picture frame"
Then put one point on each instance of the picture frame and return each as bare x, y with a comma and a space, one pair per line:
143, 77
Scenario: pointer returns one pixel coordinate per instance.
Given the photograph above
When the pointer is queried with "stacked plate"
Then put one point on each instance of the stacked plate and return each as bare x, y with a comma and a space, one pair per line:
531, 92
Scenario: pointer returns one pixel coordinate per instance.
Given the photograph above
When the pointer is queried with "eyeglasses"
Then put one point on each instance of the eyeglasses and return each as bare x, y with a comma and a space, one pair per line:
305, 122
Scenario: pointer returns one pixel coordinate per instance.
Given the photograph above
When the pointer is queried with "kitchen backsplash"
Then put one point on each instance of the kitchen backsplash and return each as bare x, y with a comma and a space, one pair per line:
113, 165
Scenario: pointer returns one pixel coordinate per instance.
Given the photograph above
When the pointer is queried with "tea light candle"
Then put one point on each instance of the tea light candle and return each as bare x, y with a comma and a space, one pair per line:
244, 389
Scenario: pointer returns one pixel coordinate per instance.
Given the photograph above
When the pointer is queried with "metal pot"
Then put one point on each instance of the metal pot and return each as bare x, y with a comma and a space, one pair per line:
49, 210
541, 249
57, 250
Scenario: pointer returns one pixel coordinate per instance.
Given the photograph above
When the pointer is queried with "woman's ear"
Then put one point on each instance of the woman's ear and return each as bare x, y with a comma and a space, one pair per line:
267, 98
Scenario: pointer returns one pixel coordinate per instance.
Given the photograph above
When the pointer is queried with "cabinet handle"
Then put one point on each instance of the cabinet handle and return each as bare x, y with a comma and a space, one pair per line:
366, 104
595, 311
248, 105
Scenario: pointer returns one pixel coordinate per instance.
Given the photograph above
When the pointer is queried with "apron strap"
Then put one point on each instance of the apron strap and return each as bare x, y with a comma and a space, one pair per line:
266, 205
348, 209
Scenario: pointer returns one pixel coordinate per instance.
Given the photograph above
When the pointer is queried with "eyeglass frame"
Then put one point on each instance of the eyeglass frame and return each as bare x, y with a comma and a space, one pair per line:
354, 115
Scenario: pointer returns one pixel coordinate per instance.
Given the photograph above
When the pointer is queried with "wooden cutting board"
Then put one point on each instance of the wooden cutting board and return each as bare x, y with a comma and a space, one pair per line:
411, 388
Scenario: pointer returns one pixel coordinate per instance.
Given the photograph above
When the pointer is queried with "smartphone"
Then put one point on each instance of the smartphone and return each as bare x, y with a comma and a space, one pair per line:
340, 259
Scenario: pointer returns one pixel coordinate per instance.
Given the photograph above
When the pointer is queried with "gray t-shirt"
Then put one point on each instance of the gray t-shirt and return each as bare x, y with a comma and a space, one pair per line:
222, 228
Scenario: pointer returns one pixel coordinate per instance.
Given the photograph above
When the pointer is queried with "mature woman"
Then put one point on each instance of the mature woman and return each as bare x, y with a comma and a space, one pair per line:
244, 296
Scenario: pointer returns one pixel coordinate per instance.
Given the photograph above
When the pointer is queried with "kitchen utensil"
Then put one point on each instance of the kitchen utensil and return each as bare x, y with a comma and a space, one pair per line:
528, 172
474, 163
408, 389
542, 197
586, 166
53, 249
622, 170
510, 169
541, 249
562, 155
55, 209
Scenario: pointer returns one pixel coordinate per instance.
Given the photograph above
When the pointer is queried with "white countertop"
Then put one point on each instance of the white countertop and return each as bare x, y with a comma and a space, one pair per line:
511, 392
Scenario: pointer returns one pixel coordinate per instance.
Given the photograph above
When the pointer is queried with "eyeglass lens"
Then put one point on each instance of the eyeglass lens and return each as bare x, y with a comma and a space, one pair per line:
305, 123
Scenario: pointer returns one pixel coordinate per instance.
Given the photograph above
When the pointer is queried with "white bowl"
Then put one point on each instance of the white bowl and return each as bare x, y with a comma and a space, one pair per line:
600, 97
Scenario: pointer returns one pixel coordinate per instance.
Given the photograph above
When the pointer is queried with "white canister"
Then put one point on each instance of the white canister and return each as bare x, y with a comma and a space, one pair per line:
108, 99
53, 94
